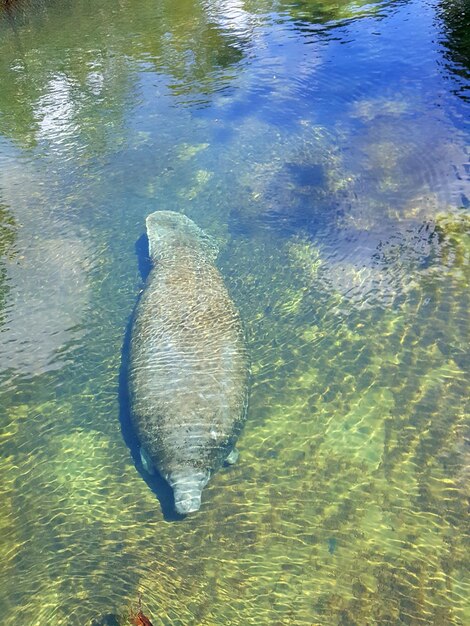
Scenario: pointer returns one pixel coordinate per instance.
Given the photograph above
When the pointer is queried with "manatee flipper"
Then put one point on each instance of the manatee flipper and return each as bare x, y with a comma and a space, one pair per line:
232, 457
146, 461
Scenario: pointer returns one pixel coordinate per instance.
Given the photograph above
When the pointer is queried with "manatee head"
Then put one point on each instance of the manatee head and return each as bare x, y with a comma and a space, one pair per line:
187, 485
168, 230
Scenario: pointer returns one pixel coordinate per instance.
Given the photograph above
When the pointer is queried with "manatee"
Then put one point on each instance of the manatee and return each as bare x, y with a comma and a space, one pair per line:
188, 361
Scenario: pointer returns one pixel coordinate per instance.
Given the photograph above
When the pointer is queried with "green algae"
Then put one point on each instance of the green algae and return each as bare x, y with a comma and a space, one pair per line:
187, 151
453, 231
355, 419
8, 228
342, 444
201, 179
355, 430
357, 427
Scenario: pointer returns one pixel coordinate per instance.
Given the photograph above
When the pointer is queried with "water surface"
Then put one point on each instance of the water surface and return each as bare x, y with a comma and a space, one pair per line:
325, 145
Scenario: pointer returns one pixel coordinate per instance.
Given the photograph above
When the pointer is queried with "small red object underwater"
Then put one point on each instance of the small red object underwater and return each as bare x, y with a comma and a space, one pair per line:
139, 619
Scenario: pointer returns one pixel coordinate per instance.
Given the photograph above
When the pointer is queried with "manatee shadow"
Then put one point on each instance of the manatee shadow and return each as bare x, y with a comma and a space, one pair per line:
143, 257
156, 483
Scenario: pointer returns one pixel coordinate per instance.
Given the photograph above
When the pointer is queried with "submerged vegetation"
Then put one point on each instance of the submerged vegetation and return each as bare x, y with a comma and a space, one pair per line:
347, 502
8, 228
335, 187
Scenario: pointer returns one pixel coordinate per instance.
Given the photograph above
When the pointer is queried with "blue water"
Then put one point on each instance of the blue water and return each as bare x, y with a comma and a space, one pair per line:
325, 146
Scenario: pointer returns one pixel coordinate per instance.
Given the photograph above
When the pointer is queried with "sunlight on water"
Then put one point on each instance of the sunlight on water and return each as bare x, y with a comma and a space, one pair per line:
324, 146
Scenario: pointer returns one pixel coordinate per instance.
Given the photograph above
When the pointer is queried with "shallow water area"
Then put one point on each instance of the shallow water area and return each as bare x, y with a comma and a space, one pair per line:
325, 146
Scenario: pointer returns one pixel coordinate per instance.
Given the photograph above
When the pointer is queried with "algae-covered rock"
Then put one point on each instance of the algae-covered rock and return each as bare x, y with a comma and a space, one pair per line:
201, 179
453, 231
187, 151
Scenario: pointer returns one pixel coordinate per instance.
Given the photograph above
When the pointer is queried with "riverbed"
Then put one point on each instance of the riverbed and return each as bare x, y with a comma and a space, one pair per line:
325, 146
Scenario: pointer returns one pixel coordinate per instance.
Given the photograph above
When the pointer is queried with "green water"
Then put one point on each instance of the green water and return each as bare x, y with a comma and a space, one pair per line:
324, 145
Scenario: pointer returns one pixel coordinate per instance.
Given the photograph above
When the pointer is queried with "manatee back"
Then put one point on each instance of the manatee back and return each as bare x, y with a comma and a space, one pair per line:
188, 373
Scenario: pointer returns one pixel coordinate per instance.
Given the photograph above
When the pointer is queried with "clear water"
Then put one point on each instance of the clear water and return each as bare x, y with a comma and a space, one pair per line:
325, 145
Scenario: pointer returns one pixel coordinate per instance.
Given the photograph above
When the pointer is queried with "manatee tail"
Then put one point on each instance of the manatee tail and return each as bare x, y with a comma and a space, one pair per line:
187, 489
168, 232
